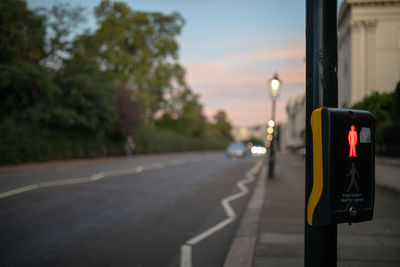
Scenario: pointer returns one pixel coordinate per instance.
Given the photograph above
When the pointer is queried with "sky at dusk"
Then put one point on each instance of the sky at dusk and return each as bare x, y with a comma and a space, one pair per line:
231, 49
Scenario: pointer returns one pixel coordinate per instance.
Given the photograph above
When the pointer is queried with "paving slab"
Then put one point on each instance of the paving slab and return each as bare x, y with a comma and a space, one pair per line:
280, 240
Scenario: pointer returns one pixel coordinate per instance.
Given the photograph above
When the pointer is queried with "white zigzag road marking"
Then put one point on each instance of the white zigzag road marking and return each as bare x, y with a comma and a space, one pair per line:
186, 249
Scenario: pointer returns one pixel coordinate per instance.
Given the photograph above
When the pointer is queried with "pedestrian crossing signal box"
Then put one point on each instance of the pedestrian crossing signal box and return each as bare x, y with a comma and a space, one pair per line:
343, 167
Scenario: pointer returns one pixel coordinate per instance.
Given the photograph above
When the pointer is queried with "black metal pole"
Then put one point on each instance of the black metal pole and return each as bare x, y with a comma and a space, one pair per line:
272, 152
320, 242
273, 109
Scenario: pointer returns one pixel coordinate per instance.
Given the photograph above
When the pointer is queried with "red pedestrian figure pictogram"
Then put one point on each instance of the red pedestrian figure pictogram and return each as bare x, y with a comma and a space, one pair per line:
352, 137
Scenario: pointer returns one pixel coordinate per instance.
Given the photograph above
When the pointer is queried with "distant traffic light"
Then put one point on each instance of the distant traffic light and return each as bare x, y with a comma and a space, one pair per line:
343, 166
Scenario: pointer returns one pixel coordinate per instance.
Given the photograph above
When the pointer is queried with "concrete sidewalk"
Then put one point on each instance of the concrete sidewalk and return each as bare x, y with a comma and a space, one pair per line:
279, 238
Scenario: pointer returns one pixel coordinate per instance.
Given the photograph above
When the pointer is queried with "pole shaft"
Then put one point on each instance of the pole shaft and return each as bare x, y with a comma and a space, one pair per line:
273, 109
271, 165
320, 247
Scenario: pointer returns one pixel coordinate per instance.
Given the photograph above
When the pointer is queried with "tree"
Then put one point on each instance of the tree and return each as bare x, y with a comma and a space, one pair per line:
65, 96
25, 89
128, 113
140, 51
222, 124
221, 127
191, 121
396, 105
87, 96
379, 104
75, 94
184, 115
60, 21
22, 34
385, 108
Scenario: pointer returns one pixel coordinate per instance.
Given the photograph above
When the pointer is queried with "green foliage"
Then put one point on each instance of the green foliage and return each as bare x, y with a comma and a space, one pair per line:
61, 20
87, 98
385, 108
379, 104
191, 122
221, 128
223, 125
66, 96
49, 113
139, 49
27, 142
396, 105
150, 140
26, 92
128, 114
22, 33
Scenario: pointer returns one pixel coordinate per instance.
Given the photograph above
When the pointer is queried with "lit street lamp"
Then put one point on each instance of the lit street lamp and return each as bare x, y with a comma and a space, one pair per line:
275, 84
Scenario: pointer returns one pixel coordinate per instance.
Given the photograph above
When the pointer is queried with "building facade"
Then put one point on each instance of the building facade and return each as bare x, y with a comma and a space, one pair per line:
293, 131
368, 60
368, 48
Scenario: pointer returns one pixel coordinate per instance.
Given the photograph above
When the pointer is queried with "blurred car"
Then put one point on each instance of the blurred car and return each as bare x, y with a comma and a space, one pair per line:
258, 150
236, 150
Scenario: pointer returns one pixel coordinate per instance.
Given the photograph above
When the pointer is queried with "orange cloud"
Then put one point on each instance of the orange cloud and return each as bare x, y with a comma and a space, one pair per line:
269, 54
238, 83
234, 69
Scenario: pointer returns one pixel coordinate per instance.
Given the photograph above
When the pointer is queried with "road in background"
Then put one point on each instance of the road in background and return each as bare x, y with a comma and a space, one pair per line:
134, 212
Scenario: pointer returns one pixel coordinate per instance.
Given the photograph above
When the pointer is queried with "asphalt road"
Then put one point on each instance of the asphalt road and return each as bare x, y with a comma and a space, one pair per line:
138, 211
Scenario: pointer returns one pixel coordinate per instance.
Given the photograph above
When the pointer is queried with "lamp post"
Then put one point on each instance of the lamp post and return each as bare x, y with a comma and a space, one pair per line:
275, 84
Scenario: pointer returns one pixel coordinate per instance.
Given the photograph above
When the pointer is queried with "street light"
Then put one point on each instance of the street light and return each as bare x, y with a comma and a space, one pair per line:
274, 84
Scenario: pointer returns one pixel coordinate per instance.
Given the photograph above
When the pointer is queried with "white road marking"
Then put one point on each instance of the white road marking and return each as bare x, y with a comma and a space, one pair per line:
19, 190
177, 162
98, 176
186, 258
186, 249
65, 182
124, 172
92, 178
200, 237
154, 166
